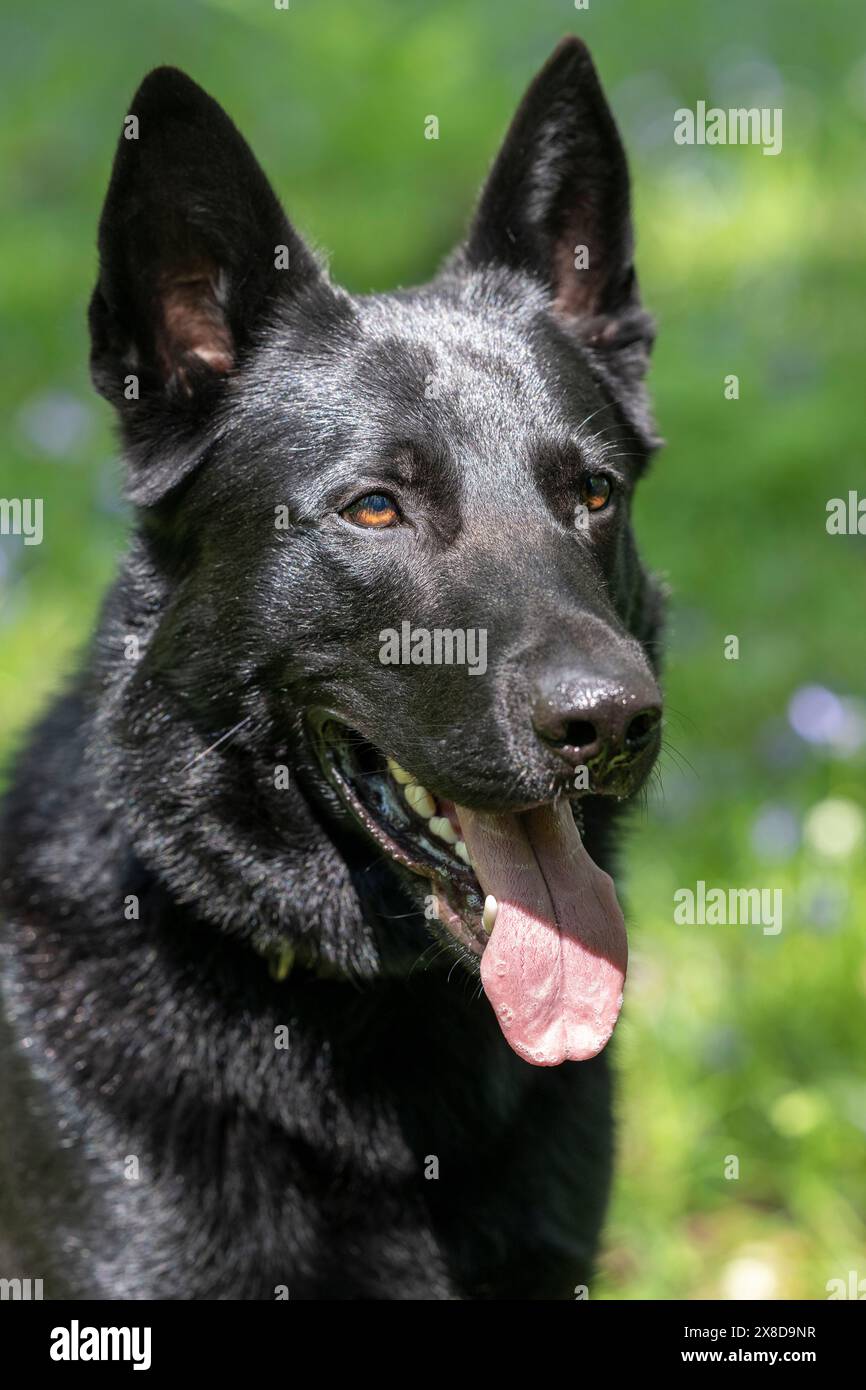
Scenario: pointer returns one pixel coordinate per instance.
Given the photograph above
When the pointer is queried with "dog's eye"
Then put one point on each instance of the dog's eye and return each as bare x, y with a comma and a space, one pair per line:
595, 491
375, 509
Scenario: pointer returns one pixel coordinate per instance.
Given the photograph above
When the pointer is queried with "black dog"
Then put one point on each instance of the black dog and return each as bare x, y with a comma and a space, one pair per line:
250, 1053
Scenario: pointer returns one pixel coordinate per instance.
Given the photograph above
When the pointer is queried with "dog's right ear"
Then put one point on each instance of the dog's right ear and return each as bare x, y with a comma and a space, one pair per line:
194, 249
556, 207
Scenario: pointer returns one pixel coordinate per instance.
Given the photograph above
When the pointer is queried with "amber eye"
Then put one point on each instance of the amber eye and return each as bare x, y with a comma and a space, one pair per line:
375, 509
595, 491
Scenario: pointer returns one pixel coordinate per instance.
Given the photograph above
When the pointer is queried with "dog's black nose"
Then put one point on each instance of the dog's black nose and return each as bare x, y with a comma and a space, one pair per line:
597, 722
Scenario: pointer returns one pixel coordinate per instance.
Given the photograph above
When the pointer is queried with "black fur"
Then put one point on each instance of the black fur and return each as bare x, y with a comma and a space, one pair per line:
154, 1037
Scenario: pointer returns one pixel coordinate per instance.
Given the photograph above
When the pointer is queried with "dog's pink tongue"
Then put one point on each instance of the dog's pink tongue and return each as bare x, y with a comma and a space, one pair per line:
554, 967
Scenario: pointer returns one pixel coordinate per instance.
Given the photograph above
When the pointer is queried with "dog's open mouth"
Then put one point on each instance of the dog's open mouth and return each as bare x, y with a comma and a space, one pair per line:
517, 888
417, 829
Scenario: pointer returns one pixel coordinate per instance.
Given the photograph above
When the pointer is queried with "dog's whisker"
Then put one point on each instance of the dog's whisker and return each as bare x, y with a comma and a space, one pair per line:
682, 717
680, 759
218, 743
434, 951
608, 405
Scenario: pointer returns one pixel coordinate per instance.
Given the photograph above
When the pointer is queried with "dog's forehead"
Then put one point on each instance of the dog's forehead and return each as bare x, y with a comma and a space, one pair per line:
475, 375
451, 345
461, 369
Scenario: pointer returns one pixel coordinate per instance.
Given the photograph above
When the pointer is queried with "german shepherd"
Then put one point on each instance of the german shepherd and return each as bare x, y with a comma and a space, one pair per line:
311, 948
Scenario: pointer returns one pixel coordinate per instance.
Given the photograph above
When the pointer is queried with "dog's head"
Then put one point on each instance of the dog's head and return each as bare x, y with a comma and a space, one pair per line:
384, 547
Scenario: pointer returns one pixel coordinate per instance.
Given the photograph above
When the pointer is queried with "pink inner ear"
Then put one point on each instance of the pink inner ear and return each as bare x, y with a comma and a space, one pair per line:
194, 322
578, 291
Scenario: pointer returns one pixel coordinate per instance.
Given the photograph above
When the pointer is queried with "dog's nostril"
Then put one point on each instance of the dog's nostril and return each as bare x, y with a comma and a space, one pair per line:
578, 733
605, 723
641, 729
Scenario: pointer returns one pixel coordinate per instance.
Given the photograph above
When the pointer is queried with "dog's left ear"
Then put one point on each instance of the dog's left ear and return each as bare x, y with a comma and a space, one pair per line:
195, 252
556, 206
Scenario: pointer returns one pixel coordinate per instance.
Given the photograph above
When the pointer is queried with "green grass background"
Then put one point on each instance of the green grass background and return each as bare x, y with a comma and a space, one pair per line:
733, 1042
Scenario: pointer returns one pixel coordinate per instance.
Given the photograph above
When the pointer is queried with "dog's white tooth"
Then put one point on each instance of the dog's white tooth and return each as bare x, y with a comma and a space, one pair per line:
420, 800
441, 826
488, 916
398, 773
461, 849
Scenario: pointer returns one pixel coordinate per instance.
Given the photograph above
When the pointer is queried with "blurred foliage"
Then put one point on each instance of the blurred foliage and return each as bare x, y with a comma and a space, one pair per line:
733, 1042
